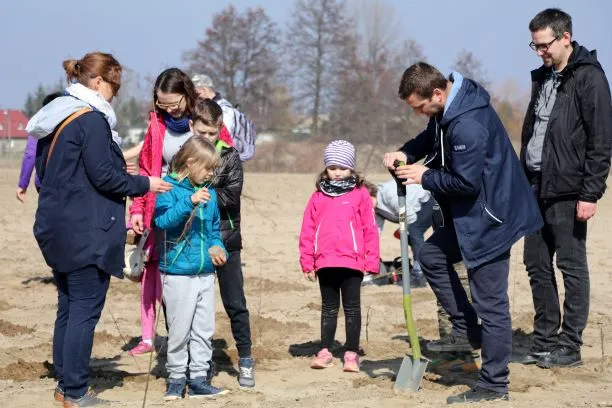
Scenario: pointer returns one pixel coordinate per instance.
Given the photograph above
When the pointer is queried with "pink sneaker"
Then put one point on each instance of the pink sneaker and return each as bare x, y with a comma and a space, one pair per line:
322, 360
142, 348
351, 362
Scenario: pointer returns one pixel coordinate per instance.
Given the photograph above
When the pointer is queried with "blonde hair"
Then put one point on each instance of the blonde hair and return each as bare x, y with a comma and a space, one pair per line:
200, 152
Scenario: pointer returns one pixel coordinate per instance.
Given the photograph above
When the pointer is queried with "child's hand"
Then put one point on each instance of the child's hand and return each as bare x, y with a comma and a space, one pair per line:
217, 255
311, 276
200, 196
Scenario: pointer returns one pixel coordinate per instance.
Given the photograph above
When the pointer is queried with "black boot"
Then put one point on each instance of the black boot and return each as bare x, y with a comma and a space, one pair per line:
562, 356
451, 343
477, 395
533, 357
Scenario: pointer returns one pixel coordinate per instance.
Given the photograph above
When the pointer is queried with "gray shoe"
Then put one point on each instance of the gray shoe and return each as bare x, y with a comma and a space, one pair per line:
246, 377
88, 400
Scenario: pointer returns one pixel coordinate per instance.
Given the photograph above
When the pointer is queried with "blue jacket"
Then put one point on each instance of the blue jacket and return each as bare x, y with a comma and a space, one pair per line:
475, 175
80, 220
172, 211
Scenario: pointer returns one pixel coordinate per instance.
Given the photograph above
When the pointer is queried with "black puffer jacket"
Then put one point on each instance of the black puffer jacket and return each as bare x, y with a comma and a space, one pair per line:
578, 141
228, 185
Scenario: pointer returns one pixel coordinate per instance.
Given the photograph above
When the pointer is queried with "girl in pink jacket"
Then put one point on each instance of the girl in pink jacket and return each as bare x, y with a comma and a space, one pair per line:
338, 244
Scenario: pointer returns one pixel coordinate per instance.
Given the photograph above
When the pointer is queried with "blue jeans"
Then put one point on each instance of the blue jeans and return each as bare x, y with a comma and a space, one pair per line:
80, 299
416, 230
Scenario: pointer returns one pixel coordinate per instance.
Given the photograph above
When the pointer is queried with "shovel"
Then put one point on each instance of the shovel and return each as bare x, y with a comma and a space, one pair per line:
413, 367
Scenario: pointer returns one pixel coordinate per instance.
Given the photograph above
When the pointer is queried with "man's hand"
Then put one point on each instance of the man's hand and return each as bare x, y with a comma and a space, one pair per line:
585, 211
200, 196
412, 173
393, 156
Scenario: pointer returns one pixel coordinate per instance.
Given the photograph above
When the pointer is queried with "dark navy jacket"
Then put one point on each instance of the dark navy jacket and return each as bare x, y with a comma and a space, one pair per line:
80, 219
476, 176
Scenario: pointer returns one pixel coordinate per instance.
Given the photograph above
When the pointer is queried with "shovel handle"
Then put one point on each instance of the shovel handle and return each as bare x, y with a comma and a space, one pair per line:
401, 189
412, 334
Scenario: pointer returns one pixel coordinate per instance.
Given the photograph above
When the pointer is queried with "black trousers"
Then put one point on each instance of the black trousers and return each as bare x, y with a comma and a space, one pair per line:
231, 286
337, 283
564, 236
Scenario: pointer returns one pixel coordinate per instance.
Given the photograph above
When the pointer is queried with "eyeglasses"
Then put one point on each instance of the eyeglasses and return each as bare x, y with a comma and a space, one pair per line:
170, 106
542, 47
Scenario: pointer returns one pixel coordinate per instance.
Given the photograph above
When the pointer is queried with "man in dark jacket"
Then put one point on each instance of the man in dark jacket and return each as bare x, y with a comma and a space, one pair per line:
487, 205
565, 151
228, 186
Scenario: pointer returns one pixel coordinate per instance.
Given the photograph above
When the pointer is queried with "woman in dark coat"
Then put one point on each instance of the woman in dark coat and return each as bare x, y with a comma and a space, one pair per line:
80, 225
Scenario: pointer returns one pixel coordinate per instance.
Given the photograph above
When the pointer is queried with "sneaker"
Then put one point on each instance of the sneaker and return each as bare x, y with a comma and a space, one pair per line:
210, 372
141, 349
174, 389
450, 343
351, 362
477, 395
322, 360
246, 377
58, 395
200, 388
88, 400
562, 356
533, 357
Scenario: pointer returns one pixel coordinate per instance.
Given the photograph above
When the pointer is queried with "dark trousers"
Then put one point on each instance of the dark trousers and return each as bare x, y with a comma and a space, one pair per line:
231, 286
489, 290
564, 236
334, 284
80, 300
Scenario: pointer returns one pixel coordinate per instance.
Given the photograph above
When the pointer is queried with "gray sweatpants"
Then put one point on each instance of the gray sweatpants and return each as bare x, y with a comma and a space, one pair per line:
190, 310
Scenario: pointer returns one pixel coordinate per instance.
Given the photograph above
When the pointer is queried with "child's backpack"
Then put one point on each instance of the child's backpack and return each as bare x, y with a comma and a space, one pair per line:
244, 132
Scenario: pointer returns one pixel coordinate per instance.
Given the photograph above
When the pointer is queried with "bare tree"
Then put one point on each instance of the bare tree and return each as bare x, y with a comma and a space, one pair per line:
471, 66
240, 52
318, 36
368, 109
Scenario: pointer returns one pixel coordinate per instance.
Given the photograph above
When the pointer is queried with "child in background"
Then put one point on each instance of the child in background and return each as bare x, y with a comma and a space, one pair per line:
189, 217
338, 244
207, 121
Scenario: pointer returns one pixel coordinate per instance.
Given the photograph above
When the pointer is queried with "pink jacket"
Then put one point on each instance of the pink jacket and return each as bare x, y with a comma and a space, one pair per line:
340, 232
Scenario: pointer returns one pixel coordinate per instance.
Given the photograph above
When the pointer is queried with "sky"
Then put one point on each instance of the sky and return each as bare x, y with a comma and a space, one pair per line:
149, 36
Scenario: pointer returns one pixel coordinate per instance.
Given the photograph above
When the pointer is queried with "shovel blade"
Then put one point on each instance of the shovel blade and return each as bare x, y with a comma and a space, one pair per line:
410, 374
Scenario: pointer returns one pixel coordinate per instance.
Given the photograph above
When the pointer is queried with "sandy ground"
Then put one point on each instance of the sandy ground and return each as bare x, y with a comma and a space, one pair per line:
285, 322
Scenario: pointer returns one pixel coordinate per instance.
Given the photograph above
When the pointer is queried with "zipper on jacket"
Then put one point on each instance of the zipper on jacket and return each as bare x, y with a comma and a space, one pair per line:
230, 220
353, 234
317, 239
492, 216
201, 239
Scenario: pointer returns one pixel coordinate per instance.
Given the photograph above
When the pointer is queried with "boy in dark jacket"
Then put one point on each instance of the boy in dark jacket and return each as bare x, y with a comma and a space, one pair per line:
207, 121
487, 205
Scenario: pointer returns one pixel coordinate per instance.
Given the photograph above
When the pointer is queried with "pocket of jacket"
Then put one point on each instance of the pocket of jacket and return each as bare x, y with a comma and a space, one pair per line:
107, 221
316, 241
491, 216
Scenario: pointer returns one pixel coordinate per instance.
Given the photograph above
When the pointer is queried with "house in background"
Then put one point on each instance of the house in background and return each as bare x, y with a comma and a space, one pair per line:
13, 136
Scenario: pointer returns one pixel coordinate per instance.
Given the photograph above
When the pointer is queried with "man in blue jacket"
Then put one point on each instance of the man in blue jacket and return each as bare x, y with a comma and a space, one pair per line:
487, 205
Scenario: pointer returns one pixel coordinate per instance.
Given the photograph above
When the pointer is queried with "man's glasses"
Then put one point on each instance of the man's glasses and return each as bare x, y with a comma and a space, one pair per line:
170, 106
542, 47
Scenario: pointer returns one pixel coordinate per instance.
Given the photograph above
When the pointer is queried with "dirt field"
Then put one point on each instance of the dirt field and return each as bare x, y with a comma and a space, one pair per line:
285, 322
